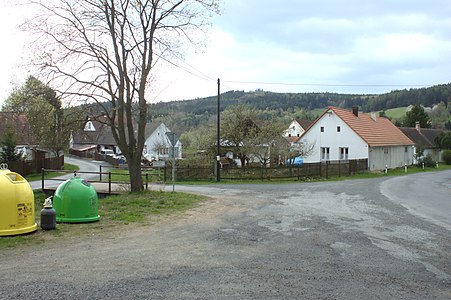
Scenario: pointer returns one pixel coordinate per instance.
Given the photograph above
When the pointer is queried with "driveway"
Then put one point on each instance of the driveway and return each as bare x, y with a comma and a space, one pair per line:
332, 240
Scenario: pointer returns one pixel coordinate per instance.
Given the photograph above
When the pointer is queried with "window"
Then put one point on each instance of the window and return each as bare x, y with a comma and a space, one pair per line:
344, 153
325, 153
322, 128
338, 129
405, 149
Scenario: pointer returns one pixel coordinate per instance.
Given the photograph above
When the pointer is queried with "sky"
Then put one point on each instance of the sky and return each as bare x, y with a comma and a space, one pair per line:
347, 46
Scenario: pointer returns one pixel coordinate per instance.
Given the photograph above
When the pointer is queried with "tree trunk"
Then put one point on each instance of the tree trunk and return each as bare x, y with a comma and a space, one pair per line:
134, 168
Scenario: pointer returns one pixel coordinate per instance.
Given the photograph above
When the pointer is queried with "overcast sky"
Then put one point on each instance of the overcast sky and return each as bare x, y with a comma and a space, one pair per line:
349, 46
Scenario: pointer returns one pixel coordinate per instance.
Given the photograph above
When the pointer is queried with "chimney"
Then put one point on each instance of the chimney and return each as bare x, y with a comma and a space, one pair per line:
355, 111
417, 126
373, 116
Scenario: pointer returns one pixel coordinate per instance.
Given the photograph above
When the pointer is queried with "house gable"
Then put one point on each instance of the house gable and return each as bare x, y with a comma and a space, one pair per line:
330, 132
296, 128
158, 144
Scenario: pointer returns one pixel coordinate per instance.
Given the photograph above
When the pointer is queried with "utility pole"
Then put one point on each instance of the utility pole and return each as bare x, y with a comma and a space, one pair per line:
171, 135
218, 154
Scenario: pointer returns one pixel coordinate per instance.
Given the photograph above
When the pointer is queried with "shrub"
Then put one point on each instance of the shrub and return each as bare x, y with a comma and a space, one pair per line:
427, 160
446, 156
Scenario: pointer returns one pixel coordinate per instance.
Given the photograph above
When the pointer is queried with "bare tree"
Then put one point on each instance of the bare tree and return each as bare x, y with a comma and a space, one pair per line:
301, 148
105, 51
267, 142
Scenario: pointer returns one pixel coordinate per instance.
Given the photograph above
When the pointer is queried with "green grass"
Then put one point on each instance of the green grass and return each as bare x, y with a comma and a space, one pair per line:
38, 176
396, 113
317, 111
121, 175
115, 213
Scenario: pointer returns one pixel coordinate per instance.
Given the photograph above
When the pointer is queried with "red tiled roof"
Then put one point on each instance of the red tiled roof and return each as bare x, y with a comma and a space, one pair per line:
304, 123
378, 132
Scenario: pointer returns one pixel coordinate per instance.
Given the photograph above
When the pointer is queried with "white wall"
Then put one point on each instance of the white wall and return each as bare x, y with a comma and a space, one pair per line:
358, 149
159, 138
392, 157
294, 130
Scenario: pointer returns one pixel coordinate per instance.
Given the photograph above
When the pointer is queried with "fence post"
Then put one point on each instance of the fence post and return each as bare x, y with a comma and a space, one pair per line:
164, 174
42, 179
327, 169
147, 181
75, 173
109, 182
100, 173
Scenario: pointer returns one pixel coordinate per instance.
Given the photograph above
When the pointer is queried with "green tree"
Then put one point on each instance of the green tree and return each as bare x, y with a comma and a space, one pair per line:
238, 129
106, 51
439, 115
42, 107
266, 142
8, 145
444, 140
416, 114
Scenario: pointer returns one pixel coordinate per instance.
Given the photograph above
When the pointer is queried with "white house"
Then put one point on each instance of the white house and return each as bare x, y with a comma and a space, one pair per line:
340, 134
158, 144
297, 128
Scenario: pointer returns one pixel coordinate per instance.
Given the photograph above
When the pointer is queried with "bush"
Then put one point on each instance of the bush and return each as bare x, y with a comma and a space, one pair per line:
427, 160
446, 156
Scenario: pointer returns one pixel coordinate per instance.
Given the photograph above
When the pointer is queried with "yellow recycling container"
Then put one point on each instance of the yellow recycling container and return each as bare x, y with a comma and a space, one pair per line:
17, 214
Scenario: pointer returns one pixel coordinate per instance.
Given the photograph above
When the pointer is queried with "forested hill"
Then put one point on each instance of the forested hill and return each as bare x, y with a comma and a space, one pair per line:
263, 100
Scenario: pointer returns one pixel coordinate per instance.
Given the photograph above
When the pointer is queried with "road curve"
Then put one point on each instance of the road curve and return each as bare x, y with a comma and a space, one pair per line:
85, 165
425, 194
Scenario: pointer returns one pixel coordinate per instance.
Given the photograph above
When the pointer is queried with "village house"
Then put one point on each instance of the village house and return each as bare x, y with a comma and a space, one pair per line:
158, 144
425, 140
340, 134
95, 137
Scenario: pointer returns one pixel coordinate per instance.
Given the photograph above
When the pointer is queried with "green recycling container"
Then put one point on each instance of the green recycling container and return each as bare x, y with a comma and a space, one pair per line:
76, 201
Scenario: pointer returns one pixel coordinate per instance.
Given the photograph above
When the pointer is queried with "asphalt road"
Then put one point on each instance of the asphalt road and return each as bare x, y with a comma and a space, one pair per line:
356, 239
84, 165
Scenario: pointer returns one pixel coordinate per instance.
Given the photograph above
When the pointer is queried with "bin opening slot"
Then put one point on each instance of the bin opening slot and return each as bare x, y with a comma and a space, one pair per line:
15, 177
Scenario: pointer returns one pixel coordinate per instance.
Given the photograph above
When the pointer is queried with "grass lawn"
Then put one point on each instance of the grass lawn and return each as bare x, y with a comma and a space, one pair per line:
122, 175
396, 113
115, 212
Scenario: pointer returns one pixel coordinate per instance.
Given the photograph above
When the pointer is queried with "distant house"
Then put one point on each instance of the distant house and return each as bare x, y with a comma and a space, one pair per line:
296, 129
94, 137
340, 134
25, 139
158, 144
424, 138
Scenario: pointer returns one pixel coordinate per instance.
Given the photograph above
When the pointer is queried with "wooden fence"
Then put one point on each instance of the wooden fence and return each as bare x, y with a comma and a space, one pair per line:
25, 168
308, 170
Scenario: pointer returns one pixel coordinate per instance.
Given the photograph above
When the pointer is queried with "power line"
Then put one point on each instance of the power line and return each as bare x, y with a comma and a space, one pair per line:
325, 84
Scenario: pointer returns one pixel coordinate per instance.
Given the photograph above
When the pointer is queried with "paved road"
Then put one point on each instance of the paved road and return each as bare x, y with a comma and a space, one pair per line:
424, 194
84, 165
333, 240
